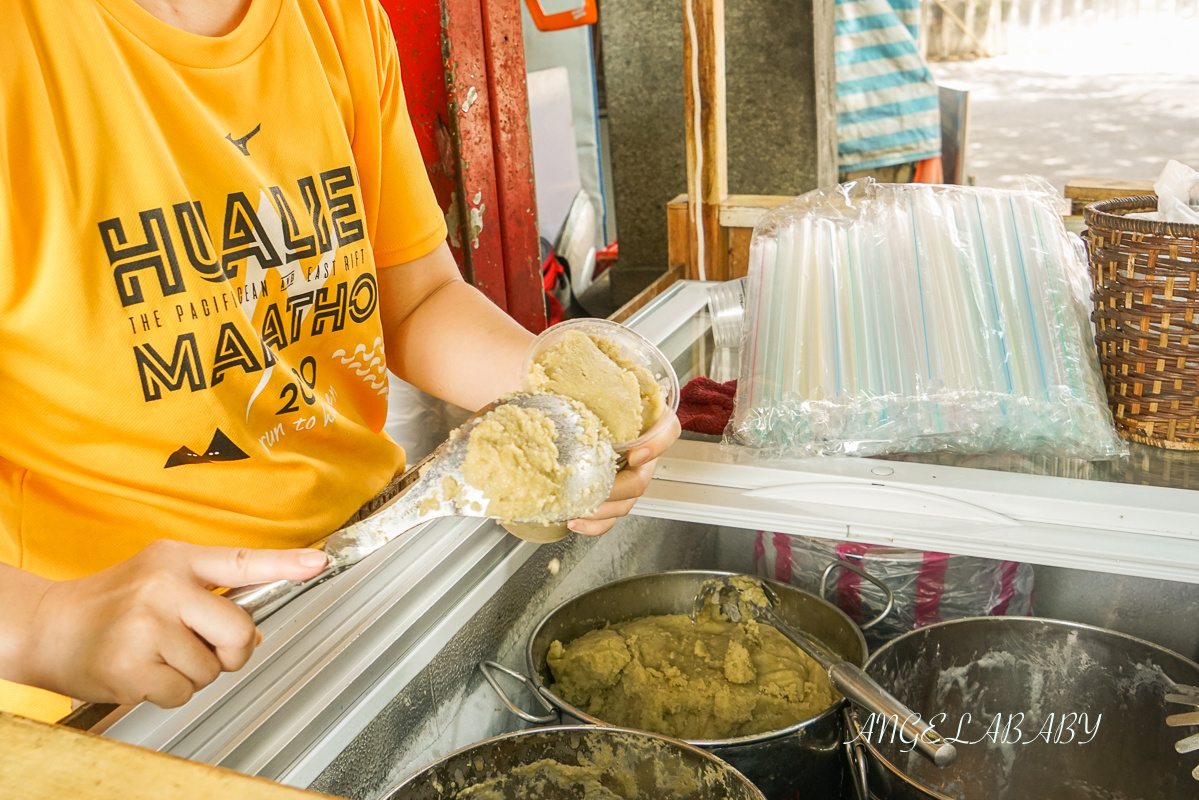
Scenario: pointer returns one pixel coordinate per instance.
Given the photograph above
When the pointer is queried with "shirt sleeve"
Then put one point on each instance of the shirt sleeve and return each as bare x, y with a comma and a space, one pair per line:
409, 222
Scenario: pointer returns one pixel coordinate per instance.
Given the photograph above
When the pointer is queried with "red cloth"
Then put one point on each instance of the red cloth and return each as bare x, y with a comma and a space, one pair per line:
930, 170
705, 405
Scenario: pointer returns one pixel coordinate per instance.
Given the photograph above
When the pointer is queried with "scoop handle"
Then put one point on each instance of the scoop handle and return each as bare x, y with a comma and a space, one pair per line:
864, 691
260, 600
344, 547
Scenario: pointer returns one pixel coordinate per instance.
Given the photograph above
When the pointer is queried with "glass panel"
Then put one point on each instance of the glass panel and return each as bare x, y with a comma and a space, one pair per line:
692, 350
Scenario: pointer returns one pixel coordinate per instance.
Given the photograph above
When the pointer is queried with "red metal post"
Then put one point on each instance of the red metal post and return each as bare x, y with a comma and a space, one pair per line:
464, 76
417, 28
506, 84
464, 58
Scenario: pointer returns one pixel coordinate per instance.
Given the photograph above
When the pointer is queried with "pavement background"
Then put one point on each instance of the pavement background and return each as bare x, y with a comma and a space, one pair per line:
1110, 100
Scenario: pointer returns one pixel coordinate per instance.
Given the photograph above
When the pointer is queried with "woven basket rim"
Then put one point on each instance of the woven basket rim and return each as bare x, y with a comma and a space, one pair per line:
1110, 214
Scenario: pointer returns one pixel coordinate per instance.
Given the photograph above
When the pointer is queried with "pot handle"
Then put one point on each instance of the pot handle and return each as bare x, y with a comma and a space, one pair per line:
488, 669
886, 590
856, 754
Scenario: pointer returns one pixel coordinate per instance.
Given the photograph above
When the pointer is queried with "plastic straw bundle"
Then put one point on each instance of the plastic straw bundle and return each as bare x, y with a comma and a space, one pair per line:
906, 318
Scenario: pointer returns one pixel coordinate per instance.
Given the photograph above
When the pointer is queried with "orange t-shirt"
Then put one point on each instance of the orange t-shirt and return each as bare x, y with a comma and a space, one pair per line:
190, 345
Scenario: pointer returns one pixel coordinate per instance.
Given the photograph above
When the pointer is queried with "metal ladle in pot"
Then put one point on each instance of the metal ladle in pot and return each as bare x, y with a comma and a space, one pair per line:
736, 596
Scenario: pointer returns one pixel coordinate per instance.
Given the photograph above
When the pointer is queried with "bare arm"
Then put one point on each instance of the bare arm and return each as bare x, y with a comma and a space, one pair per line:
20, 594
444, 337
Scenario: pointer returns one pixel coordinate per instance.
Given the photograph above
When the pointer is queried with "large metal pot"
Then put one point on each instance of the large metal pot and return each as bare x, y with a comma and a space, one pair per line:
658, 766
984, 673
802, 762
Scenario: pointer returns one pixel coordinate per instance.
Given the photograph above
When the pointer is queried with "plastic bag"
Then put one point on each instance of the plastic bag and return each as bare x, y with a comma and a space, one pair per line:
416, 421
904, 318
1177, 193
928, 587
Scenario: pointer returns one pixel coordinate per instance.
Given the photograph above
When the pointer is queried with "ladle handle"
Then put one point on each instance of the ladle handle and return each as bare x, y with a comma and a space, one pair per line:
260, 600
861, 689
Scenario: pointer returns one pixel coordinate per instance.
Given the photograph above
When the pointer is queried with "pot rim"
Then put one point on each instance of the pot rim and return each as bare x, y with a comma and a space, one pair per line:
779, 733
711, 759
933, 793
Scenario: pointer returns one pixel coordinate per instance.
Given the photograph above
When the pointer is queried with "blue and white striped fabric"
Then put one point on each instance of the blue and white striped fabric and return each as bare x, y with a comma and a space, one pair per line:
888, 111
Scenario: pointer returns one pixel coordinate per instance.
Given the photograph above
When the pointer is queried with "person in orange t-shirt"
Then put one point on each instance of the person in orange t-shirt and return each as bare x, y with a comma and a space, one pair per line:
216, 236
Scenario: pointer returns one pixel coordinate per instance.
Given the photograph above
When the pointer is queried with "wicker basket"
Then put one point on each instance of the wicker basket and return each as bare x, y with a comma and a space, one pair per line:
1145, 276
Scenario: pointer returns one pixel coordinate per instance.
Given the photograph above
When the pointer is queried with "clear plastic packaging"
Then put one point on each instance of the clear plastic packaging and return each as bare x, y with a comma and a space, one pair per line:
910, 318
1177, 190
928, 587
418, 422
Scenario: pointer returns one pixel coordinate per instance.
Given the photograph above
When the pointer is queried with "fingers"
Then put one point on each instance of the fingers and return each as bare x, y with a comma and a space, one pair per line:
242, 566
147, 628
188, 656
657, 445
166, 687
144, 657
225, 627
632, 482
591, 527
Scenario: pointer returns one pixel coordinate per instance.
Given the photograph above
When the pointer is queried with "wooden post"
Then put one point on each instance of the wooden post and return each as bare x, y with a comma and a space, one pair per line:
707, 140
824, 23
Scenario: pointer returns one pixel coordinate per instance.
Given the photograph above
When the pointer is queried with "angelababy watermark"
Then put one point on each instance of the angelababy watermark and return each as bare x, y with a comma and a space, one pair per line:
1003, 729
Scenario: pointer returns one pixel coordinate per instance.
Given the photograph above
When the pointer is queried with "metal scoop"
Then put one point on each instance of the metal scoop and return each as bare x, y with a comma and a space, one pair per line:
439, 489
855, 685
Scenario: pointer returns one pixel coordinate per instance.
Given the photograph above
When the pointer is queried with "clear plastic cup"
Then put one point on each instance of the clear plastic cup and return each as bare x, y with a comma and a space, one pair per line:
726, 305
726, 308
634, 347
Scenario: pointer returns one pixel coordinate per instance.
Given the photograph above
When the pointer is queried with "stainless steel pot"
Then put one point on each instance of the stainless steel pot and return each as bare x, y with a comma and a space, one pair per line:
654, 762
802, 762
998, 680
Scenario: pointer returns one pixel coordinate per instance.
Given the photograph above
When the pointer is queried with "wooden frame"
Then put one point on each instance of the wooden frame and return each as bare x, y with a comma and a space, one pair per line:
706, 137
1083, 191
735, 218
710, 238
